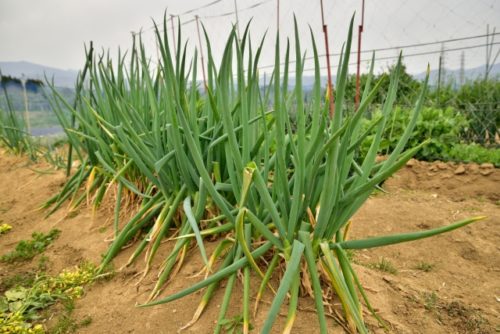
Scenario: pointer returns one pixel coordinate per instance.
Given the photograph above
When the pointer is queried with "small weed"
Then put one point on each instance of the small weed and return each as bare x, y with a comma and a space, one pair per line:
86, 321
53, 157
463, 318
27, 249
65, 324
413, 298
73, 213
472, 209
482, 199
471, 320
24, 280
378, 192
69, 304
351, 254
430, 300
385, 266
4, 228
424, 266
42, 263
20, 305
233, 325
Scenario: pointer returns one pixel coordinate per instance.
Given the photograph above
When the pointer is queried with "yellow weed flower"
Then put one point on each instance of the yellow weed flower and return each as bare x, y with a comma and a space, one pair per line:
4, 228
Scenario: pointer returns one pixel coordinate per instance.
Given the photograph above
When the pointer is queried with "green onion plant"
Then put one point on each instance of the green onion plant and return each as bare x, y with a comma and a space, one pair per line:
274, 179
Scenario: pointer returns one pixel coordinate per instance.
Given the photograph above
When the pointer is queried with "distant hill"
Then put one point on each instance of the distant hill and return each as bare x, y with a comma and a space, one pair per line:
470, 74
67, 78
62, 78
64, 81
454, 75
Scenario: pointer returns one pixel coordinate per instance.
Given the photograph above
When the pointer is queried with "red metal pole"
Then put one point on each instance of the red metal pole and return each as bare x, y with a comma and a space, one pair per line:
360, 31
329, 70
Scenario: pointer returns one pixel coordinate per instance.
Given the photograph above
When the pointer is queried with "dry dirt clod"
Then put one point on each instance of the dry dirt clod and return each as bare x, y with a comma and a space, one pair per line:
486, 172
387, 279
487, 165
442, 165
474, 168
460, 170
411, 163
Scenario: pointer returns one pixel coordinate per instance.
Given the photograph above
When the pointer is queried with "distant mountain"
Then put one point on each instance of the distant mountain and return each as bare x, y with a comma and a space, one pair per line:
67, 78
454, 75
62, 78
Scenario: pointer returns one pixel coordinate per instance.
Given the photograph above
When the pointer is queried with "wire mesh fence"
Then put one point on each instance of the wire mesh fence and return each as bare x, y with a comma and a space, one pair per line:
484, 121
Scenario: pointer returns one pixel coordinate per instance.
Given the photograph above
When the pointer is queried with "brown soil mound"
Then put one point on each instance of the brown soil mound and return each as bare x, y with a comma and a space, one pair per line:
446, 284
456, 181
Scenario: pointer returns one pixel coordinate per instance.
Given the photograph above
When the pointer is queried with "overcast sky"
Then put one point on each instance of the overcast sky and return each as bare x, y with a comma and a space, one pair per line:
53, 32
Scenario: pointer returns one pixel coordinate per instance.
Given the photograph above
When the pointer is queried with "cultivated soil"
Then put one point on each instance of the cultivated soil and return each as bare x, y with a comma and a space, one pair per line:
446, 284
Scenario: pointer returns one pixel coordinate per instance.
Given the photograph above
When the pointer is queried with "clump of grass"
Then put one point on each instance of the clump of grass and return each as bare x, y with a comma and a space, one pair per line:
430, 300
66, 324
384, 265
234, 325
43, 262
351, 255
425, 266
85, 321
27, 249
469, 319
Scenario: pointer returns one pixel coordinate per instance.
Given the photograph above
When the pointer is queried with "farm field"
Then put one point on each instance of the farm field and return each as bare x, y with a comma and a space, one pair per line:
444, 284
252, 186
